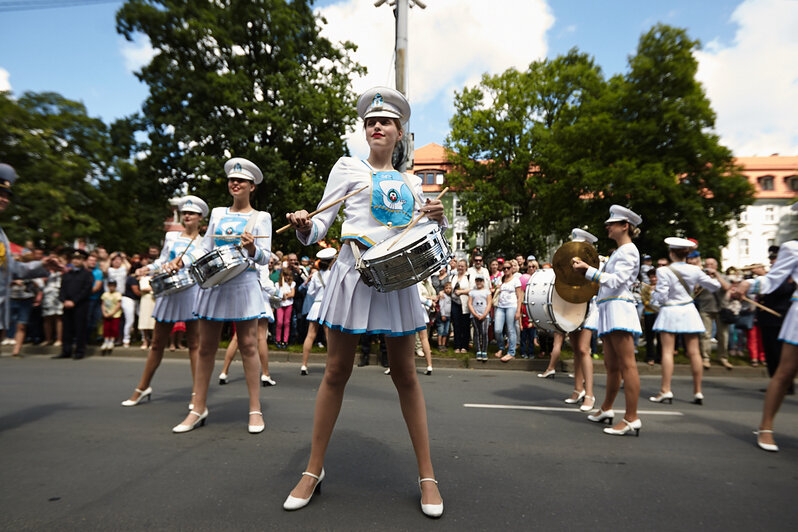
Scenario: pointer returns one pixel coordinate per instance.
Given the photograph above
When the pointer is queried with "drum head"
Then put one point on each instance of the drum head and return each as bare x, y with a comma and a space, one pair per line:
415, 234
569, 316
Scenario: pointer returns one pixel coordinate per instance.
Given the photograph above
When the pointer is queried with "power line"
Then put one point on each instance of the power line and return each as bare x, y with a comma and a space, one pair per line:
30, 5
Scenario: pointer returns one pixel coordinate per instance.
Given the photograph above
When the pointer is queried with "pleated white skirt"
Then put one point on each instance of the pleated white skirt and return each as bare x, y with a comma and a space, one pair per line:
352, 307
676, 319
176, 307
239, 299
789, 329
618, 315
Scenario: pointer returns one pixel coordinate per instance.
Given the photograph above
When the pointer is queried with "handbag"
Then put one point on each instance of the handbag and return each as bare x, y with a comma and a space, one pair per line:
727, 315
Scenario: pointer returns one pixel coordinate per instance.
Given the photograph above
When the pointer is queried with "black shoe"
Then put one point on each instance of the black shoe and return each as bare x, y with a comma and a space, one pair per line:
62, 355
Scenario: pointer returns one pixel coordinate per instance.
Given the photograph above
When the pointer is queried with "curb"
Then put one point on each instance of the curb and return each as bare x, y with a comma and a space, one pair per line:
535, 365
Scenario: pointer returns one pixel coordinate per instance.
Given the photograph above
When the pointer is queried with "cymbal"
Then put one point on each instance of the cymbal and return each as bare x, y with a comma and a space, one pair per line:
571, 285
574, 293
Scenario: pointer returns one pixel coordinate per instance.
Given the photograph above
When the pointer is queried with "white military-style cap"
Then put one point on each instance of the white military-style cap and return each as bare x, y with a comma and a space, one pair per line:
619, 213
383, 101
243, 169
326, 254
531, 257
794, 207
675, 242
193, 204
7, 176
580, 235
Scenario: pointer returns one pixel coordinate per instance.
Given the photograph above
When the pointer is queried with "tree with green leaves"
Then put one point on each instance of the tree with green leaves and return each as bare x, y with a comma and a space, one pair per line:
556, 145
242, 79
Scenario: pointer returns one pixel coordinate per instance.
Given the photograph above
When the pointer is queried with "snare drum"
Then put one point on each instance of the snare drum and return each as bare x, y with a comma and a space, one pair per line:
219, 265
166, 283
419, 254
547, 309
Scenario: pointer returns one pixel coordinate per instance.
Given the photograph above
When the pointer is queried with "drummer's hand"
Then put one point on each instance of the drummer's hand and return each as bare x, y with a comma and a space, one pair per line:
579, 265
737, 292
248, 243
433, 209
141, 272
300, 221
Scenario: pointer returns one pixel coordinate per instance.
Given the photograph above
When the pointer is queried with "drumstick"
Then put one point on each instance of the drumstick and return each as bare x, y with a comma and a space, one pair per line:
414, 222
331, 204
188, 246
763, 307
233, 237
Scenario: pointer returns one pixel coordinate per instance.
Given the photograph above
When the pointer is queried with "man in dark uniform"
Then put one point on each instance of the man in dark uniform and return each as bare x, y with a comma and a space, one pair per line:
76, 285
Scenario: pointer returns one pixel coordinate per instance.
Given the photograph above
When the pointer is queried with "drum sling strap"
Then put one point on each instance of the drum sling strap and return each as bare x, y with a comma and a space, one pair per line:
681, 280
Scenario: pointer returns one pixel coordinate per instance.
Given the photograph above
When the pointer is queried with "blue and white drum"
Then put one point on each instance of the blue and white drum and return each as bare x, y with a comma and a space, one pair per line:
219, 265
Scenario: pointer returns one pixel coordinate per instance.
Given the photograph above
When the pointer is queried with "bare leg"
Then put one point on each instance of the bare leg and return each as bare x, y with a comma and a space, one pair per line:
19, 338
160, 336
425, 347
263, 345
613, 366
779, 383
313, 328
209, 334
49, 329
623, 345
230, 353
247, 332
340, 359
192, 340
696, 361
668, 342
414, 410
555, 351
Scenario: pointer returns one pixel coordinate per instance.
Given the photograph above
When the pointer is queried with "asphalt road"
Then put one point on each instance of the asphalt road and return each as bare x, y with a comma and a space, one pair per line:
71, 458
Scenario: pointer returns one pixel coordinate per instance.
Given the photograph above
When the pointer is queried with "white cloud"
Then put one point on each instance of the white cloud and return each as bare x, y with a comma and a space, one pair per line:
450, 44
753, 83
5, 84
137, 53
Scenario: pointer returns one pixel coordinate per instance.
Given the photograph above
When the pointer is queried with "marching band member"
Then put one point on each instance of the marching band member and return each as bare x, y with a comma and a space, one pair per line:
350, 307
678, 315
238, 299
316, 288
580, 342
617, 318
786, 265
178, 306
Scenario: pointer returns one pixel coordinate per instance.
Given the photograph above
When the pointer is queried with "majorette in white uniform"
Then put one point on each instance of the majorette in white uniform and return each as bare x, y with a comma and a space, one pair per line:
318, 283
267, 289
677, 313
786, 265
179, 306
390, 203
240, 298
591, 320
616, 303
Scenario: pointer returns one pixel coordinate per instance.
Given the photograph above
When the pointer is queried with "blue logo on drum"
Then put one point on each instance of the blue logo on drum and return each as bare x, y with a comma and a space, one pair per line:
392, 202
229, 226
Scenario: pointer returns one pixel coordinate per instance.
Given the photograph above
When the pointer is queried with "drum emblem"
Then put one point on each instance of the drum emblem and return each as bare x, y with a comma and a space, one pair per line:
392, 201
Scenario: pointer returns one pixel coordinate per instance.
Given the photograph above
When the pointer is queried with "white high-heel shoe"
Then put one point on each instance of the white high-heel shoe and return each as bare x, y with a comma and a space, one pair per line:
256, 429
662, 397
191, 404
266, 380
588, 407
430, 510
303, 370
548, 374
429, 371
601, 416
142, 394
222, 378
295, 503
187, 428
698, 399
581, 395
629, 426
770, 447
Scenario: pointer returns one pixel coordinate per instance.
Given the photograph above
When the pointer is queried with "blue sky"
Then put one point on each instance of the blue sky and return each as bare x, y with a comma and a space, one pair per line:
749, 63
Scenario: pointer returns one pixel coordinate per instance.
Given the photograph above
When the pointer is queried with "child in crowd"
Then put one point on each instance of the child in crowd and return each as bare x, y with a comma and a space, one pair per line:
112, 313
286, 289
479, 303
444, 315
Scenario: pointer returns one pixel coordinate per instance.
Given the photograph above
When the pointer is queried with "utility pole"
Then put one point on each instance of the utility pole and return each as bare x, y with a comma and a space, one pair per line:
400, 10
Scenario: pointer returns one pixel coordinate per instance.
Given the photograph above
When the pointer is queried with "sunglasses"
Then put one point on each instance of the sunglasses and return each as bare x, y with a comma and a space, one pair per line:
507, 268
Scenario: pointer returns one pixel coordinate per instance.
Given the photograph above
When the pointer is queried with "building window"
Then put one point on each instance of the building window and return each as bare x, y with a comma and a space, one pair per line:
516, 215
765, 182
744, 216
439, 178
792, 183
460, 241
769, 214
771, 242
744, 250
458, 208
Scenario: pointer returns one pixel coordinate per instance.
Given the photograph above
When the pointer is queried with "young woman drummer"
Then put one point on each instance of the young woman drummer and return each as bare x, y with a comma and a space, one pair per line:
178, 306
618, 319
238, 299
350, 307
678, 315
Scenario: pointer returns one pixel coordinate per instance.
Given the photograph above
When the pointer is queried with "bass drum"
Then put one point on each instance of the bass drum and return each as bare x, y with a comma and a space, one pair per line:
547, 309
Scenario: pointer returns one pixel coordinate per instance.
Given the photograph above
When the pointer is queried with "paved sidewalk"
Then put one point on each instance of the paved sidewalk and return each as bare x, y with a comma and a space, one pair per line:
535, 366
